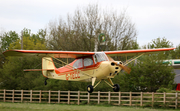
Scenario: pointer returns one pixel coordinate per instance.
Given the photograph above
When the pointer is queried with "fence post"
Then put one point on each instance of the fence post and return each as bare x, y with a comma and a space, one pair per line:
109, 97
98, 97
59, 95
4, 95
164, 98
130, 98
152, 99
176, 104
21, 96
78, 97
141, 99
68, 97
88, 98
40, 96
119, 98
30, 96
13, 95
49, 96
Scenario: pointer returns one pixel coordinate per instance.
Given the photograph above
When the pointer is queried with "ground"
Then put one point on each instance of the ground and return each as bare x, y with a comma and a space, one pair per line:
64, 107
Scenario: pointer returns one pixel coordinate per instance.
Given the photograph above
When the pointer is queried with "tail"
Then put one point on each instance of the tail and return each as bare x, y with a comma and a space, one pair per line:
48, 67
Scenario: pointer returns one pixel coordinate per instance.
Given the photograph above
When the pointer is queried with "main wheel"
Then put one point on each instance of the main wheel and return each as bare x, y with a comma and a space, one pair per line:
116, 87
90, 88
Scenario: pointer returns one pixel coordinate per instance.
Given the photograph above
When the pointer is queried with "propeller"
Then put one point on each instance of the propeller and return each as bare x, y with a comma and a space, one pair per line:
125, 68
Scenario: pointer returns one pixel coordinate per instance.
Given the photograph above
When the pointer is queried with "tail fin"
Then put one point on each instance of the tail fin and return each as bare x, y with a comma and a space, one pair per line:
47, 66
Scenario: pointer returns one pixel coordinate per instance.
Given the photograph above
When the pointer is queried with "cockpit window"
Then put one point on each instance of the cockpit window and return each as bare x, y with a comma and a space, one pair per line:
100, 57
78, 64
88, 61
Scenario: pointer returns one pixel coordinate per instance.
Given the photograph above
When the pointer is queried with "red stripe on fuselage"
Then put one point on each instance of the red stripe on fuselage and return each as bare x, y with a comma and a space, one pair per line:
59, 71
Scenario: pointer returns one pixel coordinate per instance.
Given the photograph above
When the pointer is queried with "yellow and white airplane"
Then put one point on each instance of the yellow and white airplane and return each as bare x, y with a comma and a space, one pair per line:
87, 66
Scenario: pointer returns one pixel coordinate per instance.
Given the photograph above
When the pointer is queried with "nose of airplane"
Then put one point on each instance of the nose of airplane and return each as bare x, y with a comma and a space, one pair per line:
121, 66
114, 69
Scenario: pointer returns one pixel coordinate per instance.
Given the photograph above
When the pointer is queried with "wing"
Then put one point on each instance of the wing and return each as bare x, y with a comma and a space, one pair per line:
77, 54
47, 53
135, 52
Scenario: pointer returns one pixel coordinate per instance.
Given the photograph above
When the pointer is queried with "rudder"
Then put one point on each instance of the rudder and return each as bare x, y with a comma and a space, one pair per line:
47, 66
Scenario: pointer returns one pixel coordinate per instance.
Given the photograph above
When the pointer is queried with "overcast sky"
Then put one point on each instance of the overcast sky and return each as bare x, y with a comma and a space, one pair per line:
153, 18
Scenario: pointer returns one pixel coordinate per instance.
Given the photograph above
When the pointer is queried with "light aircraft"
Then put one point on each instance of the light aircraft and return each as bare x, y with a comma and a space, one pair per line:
87, 66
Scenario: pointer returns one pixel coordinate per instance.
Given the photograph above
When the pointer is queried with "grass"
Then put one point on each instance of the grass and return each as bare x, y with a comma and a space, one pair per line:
65, 107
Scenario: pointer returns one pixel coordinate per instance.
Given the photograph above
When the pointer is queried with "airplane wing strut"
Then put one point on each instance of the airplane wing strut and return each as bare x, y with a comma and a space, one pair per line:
131, 60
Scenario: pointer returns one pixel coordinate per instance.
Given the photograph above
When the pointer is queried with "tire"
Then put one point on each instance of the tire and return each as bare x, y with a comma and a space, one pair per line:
45, 82
90, 88
116, 87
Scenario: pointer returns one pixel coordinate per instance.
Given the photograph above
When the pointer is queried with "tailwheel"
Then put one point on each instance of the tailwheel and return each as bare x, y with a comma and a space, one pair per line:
90, 88
45, 82
116, 87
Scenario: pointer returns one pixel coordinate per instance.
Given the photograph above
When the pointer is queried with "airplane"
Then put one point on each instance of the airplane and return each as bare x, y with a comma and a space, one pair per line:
87, 66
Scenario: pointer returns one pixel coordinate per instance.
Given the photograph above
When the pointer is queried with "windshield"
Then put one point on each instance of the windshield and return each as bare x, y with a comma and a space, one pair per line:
100, 56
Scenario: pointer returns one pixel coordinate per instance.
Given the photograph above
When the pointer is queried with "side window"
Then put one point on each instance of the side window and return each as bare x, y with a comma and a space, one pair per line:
88, 61
78, 64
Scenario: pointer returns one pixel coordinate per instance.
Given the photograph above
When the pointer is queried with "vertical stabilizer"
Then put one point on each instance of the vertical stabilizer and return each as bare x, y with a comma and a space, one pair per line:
48, 67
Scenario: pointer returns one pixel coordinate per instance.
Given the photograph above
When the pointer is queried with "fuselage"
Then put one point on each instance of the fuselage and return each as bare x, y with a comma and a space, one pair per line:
83, 69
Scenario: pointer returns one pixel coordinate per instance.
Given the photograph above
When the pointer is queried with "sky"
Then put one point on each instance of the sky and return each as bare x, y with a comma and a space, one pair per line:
152, 18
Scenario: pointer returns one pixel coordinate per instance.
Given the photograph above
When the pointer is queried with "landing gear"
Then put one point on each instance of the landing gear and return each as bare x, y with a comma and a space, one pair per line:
45, 82
90, 88
116, 87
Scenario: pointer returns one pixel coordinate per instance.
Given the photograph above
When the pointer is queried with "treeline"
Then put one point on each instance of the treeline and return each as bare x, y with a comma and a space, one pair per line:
79, 32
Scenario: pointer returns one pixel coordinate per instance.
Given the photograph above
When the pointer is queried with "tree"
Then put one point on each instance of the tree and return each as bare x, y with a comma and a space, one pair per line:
7, 39
2, 58
148, 74
176, 53
160, 43
12, 75
30, 42
81, 30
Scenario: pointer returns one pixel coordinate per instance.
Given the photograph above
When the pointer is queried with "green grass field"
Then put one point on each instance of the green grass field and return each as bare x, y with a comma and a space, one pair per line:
63, 107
